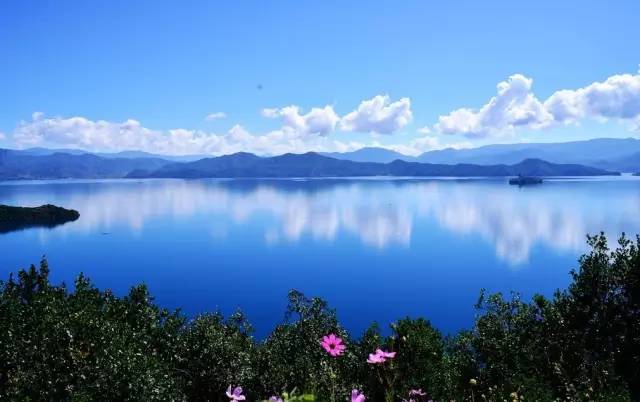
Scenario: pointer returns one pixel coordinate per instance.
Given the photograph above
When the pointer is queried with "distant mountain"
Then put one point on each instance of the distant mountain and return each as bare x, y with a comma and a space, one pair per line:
620, 154
40, 164
141, 155
528, 167
617, 154
208, 167
111, 155
23, 165
249, 165
629, 163
49, 151
607, 153
315, 165
370, 154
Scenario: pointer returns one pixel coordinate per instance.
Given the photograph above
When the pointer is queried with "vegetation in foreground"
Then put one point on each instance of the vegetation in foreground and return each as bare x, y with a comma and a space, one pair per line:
89, 345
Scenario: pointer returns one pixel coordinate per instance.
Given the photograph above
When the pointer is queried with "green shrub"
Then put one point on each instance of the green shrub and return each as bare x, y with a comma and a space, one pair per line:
291, 357
85, 344
213, 354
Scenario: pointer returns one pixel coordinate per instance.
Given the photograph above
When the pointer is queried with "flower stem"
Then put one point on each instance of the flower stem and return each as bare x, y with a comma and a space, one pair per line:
388, 395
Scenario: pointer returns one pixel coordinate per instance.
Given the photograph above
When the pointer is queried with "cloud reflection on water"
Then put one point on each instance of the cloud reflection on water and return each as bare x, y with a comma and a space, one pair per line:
381, 213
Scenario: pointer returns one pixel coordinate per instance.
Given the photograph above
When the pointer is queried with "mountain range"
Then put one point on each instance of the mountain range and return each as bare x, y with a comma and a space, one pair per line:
23, 165
315, 165
591, 157
620, 154
112, 155
371, 154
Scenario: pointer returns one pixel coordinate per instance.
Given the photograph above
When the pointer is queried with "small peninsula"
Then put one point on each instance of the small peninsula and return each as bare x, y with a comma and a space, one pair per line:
15, 218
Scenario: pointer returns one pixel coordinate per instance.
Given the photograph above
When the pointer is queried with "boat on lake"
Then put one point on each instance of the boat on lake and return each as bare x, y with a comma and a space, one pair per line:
525, 180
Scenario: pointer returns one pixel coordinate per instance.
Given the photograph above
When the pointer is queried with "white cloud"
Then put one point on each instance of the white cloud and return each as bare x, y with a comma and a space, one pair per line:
321, 121
618, 97
101, 135
2, 136
515, 106
378, 115
424, 130
215, 116
106, 136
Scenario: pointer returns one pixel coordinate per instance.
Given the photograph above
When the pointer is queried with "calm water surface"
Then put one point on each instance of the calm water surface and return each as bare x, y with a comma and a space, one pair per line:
376, 249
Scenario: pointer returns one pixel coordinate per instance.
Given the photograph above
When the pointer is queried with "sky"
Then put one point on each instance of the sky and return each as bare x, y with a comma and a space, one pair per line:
270, 77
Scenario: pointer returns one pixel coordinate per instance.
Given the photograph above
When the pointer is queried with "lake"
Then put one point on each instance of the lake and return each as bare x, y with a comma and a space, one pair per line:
375, 249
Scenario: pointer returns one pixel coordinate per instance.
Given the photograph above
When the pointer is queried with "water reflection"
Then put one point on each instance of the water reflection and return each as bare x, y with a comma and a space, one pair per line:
380, 213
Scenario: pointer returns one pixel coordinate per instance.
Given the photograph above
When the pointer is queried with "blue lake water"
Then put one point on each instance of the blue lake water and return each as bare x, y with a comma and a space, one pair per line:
376, 249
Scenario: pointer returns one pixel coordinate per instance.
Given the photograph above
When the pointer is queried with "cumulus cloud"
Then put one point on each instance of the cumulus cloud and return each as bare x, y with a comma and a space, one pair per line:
515, 106
215, 116
107, 136
378, 115
618, 97
424, 130
2, 136
101, 135
321, 121
299, 132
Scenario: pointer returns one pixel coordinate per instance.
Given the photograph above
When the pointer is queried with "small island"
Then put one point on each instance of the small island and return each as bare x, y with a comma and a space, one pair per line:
637, 174
15, 218
525, 180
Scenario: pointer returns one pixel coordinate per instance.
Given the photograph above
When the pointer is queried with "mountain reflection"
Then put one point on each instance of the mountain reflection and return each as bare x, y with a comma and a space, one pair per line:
380, 213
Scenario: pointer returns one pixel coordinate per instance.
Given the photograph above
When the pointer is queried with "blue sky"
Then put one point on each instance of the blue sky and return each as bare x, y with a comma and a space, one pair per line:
145, 74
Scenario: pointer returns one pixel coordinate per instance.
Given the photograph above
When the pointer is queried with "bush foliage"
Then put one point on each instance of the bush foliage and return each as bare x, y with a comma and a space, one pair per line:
90, 345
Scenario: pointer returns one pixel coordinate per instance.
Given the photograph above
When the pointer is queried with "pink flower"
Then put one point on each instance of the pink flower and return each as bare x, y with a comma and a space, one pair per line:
275, 399
357, 396
333, 345
235, 394
375, 358
388, 355
380, 356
